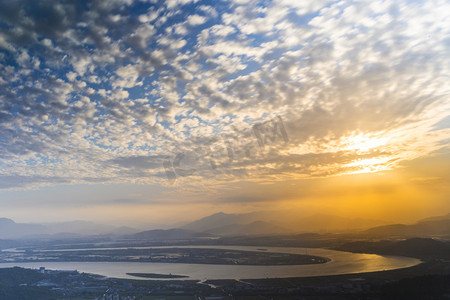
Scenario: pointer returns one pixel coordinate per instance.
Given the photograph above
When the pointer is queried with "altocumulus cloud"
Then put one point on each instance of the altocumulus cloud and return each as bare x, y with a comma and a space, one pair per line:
107, 91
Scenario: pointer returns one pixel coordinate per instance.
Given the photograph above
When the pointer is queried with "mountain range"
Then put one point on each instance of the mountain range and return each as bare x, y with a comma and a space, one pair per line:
263, 223
433, 227
168, 234
12, 230
227, 225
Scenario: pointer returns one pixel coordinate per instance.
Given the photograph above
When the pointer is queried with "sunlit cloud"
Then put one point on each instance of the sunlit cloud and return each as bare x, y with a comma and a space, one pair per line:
369, 165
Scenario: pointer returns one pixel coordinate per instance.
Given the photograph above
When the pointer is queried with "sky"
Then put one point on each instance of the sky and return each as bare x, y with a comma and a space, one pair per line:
158, 112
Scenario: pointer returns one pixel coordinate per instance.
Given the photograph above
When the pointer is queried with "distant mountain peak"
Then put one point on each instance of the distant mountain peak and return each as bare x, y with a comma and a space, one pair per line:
435, 218
6, 220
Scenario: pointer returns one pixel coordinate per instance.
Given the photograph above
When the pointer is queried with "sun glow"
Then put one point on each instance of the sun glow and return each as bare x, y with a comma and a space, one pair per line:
362, 143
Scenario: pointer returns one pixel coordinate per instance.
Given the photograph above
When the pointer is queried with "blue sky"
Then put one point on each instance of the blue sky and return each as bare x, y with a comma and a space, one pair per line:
161, 98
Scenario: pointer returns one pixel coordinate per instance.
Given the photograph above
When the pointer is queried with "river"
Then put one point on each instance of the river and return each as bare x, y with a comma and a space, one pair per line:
341, 263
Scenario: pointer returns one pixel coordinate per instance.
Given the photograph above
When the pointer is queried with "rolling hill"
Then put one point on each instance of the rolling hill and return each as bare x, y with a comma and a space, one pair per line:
169, 234
435, 227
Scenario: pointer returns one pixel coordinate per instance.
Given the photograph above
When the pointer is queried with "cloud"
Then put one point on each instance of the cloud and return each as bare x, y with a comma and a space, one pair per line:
194, 20
174, 3
15, 181
110, 91
138, 162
